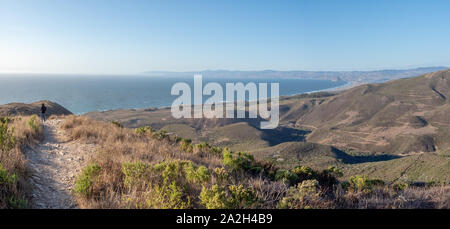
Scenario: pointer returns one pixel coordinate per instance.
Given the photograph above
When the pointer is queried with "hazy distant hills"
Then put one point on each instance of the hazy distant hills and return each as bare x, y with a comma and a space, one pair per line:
348, 76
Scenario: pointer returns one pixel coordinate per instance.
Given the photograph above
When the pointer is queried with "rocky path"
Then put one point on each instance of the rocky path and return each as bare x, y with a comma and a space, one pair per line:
54, 165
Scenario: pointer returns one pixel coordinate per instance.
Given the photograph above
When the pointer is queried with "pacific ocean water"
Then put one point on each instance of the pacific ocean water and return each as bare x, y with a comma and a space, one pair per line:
81, 94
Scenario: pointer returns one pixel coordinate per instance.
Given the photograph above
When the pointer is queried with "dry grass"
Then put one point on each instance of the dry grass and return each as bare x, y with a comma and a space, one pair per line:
118, 147
23, 131
123, 145
386, 198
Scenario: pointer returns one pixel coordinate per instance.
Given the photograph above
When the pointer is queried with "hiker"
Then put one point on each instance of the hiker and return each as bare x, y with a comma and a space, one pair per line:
43, 110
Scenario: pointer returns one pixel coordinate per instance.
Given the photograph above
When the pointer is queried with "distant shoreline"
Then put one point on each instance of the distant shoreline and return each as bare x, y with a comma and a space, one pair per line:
346, 86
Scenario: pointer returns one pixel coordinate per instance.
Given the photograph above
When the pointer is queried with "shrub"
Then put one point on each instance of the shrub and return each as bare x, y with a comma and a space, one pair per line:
231, 197
7, 139
328, 177
214, 197
305, 195
168, 196
170, 189
304, 173
240, 161
286, 176
6, 178
161, 134
169, 184
199, 175
204, 147
144, 130
362, 183
295, 175
134, 173
15, 134
241, 197
222, 176
83, 184
186, 146
118, 124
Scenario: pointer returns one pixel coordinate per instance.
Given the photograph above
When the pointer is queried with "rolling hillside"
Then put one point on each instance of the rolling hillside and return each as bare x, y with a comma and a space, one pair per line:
393, 130
406, 116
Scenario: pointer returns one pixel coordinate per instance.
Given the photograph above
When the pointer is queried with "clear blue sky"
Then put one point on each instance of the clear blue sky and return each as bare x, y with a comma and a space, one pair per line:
93, 36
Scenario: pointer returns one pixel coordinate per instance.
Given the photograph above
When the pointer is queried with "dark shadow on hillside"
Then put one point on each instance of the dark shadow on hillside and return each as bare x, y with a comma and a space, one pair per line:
350, 159
284, 134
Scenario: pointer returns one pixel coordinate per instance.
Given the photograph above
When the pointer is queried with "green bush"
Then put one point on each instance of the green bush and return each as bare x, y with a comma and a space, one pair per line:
295, 175
161, 134
6, 178
214, 197
286, 176
400, 186
144, 130
305, 195
240, 161
199, 175
362, 183
204, 147
231, 197
222, 176
134, 173
304, 173
241, 197
118, 124
169, 184
186, 146
7, 139
170, 189
83, 184
168, 196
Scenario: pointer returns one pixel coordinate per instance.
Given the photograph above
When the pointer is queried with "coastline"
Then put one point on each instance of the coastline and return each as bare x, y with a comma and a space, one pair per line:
346, 86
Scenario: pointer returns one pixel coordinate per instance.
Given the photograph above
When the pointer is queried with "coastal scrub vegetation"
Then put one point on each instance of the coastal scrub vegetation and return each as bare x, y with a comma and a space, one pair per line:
15, 134
146, 168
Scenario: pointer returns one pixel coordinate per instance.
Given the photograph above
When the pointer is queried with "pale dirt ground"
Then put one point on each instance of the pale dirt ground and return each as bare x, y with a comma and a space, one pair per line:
54, 165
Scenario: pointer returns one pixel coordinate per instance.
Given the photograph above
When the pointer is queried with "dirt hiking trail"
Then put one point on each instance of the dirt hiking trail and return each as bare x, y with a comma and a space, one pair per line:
54, 165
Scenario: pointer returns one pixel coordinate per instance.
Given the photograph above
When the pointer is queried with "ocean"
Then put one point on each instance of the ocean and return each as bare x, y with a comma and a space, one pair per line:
81, 94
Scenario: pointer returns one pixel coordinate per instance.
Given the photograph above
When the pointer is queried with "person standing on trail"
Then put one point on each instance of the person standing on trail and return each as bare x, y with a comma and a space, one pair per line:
43, 110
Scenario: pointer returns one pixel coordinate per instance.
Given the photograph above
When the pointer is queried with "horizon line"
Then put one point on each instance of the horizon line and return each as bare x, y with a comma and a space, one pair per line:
216, 70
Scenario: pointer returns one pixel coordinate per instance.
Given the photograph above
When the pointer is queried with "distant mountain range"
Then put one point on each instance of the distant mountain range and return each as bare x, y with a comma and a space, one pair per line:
348, 76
